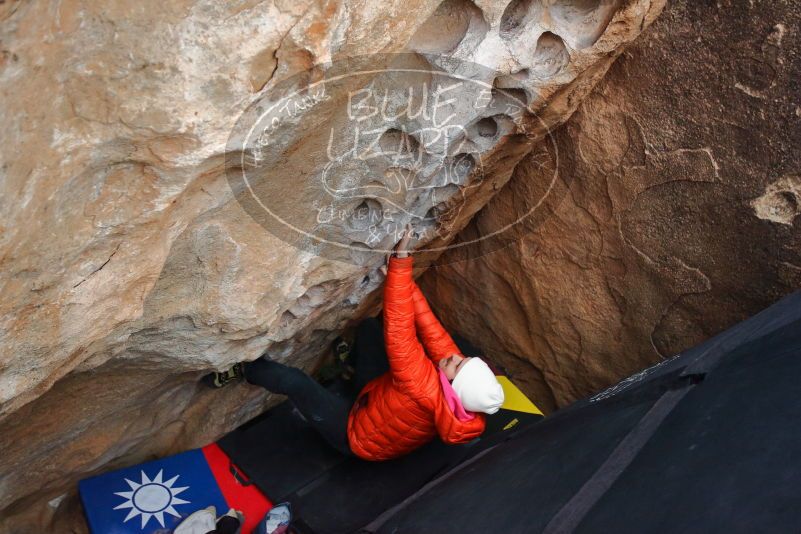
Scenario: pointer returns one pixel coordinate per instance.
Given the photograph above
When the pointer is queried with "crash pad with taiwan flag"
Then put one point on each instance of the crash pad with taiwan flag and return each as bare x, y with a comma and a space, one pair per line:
154, 497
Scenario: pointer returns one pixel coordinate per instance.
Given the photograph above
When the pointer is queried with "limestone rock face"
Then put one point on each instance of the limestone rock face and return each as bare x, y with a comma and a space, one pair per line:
131, 267
673, 216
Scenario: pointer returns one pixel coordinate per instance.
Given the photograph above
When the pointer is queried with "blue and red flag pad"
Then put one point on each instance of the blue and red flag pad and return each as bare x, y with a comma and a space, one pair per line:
154, 497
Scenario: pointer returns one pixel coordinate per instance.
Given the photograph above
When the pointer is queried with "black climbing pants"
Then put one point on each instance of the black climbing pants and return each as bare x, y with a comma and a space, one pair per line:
369, 355
324, 410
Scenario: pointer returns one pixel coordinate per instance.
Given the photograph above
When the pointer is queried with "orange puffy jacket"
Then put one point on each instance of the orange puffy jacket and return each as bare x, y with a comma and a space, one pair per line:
406, 407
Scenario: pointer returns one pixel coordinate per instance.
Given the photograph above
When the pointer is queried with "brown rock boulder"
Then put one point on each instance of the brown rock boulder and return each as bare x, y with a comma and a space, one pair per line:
673, 216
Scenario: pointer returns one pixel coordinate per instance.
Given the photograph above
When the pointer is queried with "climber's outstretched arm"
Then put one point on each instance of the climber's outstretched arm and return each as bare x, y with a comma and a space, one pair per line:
404, 352
436, 340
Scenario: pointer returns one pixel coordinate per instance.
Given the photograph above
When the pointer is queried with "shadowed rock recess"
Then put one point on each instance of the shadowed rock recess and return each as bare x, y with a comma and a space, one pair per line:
129, 269
674, 215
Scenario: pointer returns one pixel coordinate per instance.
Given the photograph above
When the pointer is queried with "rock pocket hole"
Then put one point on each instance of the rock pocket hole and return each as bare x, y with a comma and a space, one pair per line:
433, 214
448, 27
368, 213
394, 143
505, 94
287, 317
518, 14
550, 56
487, 127
521, 75
441, 195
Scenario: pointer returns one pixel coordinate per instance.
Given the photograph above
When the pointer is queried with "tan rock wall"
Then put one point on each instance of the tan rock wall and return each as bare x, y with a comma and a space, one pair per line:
673, 217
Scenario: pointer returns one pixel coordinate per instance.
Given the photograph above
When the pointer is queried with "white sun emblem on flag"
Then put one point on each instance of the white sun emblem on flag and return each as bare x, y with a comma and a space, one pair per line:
151, 498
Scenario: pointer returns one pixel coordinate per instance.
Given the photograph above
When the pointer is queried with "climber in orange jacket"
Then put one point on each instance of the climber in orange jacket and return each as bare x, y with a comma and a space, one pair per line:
430, 388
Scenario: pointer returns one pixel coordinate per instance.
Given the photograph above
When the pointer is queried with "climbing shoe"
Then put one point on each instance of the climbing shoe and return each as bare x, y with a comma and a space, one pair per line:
221, 379
340, 367
341, 350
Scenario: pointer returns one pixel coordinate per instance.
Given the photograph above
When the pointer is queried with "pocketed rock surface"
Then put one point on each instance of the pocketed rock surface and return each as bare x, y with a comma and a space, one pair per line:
674, 213
129, 269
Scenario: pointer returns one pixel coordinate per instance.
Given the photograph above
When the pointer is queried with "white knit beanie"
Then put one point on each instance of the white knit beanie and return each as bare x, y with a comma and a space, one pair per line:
476, 386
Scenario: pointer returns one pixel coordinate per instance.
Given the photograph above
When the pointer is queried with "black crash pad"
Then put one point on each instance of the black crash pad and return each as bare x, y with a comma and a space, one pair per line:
332, 493
708, 442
